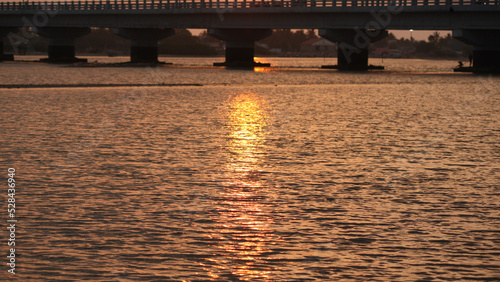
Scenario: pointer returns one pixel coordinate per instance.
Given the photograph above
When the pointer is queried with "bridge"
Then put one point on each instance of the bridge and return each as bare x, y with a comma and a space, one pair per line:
353, 24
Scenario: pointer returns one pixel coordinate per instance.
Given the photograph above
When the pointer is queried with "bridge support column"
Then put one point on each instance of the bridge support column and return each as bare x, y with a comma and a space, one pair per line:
486, 52
240, 46
353, 46
144, 42
4, 31
62, 43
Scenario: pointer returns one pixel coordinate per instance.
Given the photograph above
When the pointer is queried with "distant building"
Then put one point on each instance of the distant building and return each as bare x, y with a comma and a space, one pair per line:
318, 47
387, 53
395, 53
276, 51
380, 53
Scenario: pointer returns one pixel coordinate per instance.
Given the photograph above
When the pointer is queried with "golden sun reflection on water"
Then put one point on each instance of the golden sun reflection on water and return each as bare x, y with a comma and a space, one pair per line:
247, 119
264, 69
243, 225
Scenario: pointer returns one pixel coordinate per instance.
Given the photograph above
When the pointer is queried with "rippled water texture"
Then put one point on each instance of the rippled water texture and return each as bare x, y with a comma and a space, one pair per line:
280, 175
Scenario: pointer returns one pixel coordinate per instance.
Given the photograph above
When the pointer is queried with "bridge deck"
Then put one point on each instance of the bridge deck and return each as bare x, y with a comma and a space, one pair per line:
256, 14
162, 5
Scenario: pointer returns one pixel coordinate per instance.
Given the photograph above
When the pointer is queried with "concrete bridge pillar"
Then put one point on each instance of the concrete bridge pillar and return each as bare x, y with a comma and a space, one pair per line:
4, 31
486, 52
352, 46
240, 45
144, 42
62, 42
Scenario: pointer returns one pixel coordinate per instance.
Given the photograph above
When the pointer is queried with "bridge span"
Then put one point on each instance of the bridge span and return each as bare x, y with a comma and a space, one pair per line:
353, 24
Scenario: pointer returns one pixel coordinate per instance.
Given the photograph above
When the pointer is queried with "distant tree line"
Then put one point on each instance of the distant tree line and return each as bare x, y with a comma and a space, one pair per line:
436, 46
103, 41
181, 43
184, 43
288, 40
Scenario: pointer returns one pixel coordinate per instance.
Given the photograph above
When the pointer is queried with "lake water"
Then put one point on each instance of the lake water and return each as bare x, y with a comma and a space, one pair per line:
290, 173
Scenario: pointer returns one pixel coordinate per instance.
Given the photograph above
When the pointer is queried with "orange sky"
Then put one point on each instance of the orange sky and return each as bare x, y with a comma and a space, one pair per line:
418, 34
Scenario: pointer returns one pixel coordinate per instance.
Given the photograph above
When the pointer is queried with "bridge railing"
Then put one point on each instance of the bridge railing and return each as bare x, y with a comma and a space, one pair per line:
100, 5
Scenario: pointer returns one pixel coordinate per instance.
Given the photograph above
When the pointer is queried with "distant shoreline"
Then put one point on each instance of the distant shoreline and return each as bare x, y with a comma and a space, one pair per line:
222, 56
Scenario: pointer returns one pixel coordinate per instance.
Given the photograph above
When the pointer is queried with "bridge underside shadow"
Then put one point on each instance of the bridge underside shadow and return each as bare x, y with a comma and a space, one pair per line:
4, 32
486, 52
240, 46
62, 43
144, 42
353, 46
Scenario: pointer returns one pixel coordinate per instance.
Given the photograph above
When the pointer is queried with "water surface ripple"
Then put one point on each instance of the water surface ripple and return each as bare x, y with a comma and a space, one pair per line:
361, 177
